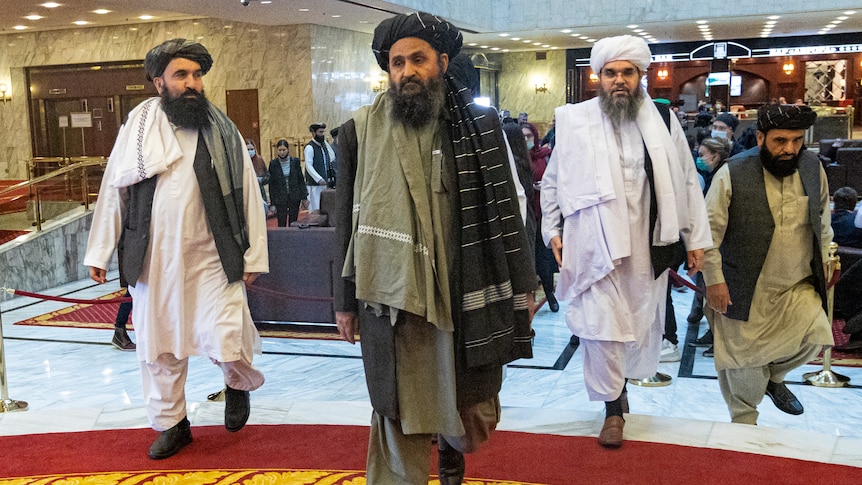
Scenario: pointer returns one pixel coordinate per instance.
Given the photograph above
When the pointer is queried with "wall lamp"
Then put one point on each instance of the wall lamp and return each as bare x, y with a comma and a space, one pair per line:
543, 88
788, 68
380, 85
594, 78
3, 90
662, 74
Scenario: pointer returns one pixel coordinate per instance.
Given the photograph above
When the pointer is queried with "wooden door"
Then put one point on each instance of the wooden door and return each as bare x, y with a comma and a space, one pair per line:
242, 109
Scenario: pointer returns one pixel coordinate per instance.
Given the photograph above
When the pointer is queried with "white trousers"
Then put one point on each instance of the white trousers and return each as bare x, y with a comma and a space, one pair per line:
164, 383
314, 192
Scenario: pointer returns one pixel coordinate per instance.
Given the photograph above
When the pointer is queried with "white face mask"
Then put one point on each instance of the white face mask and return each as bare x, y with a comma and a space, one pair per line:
718, 134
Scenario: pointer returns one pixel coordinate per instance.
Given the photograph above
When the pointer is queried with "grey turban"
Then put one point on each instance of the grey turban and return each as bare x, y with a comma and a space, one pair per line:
160, 56
620, 48
444, 37
785, 117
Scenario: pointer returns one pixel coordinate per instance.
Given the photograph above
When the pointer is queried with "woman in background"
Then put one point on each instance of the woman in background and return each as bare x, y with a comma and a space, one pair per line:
286, 184
260, 169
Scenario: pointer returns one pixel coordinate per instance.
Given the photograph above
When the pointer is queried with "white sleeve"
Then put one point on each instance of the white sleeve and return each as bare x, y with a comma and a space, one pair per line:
107, 223
858, 221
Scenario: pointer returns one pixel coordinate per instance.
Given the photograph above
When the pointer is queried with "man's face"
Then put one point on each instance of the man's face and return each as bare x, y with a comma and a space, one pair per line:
412, 62
620, 78
779, 150
181, 76
722, 126
318, 133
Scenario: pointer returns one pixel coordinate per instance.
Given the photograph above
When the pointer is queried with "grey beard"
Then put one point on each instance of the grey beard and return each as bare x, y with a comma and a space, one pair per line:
417, 109
621, 108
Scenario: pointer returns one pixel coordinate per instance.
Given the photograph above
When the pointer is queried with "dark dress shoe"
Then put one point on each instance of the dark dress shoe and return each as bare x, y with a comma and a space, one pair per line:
783, 398
122, 341
450, 463
237, 407
171, 440
705, 341
553, 304
696, 314
710, 352
612, 432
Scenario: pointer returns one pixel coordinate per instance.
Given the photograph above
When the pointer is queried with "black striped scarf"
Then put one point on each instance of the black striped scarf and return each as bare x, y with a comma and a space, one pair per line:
495, 271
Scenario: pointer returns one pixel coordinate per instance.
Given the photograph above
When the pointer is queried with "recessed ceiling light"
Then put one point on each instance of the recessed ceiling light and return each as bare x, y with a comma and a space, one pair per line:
566, 31
80, 22
849, 12
50, 5
584, 37
133, 28
146, 17
644, 34
774, 17
101, 11
701, 21
364, 22
537, 43
20, 27
483, 46
516, 38
591, 40
495, 48
638, 30
303, 10
504, 34
771, 22
472, 44
336, 16
546, 45
527, 41
505, 50
228, 26
33, 17
843, 17
575, 35
265, 2
632, 26
703, 27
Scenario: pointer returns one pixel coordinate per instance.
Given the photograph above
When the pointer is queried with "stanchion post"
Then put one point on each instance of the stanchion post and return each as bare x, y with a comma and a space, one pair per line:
826, 377
6, 404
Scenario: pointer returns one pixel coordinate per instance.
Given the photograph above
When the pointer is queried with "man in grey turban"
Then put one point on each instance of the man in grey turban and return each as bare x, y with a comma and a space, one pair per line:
623, 183
426, 194
766, 286
179, 196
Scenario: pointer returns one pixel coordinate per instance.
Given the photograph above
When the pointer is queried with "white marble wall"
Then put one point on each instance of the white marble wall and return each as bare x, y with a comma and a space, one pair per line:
518, 78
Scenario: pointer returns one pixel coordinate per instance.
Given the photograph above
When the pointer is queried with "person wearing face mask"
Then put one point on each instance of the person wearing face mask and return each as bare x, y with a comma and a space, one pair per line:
319, 163
712, 154
286, 185
260, 169
546, 264
723, 127
765, 280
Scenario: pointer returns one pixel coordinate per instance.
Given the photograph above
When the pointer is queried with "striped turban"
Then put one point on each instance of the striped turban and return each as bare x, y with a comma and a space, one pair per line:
160, 56
444, 37
785, 117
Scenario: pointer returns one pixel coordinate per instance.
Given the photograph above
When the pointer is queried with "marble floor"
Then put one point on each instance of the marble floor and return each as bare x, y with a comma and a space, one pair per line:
74, 380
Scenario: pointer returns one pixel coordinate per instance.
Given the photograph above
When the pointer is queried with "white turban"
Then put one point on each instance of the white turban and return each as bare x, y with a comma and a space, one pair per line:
621, 48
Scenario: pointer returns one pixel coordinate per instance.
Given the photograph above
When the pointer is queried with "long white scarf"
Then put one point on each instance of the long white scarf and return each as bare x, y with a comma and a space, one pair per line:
146, 145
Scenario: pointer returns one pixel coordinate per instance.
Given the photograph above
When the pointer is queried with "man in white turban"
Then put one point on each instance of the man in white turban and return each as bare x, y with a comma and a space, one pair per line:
622, 181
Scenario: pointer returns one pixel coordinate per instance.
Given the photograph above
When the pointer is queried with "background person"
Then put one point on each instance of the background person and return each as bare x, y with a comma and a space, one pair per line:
287, 187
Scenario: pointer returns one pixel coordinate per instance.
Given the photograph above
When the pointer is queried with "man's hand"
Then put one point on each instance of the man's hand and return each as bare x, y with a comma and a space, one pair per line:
322, 182
248, 278
557, 248
695, 261
718, 297
98, 275
348, 323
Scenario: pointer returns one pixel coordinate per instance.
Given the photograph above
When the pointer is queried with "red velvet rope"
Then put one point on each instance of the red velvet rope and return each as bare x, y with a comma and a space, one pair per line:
40, 296
688, 284
288, 295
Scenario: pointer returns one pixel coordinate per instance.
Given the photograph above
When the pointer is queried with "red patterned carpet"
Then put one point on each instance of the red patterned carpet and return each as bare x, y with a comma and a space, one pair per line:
309, 454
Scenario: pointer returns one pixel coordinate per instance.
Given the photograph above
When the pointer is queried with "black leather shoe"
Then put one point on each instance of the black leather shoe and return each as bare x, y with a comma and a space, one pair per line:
450, 463
171, 440
710, 352
783, 398
237, 407
553, 304
696, 314
706, 340
122, 341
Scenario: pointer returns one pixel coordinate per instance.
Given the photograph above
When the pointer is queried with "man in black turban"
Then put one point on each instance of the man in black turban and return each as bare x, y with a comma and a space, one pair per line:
176, 197
426, 195
766, 286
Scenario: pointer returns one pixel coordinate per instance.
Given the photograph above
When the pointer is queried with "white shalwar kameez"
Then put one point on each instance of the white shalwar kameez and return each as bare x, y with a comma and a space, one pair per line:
183, 303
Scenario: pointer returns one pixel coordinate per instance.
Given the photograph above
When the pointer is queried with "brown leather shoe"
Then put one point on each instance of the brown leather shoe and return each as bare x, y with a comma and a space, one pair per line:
612, 432
122, 341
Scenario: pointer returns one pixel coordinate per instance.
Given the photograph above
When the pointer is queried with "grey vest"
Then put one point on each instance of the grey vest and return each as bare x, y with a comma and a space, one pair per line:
750, 227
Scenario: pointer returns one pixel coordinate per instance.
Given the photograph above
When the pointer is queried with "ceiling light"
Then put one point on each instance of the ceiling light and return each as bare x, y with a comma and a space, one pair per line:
566, 31
637, 30
770, 22
849, 12
537, 43
504, 34
644, 34
336, 16
505, 50
774, 17
364, 22
146, 17
101, 11
516, 38
265, 2
632, 26
575, 35
80, 22
303, 10
591, 40
701, 21
133, 28
546, 45
472, 44
33, 17
584, 37
527, 41
495, 48
483, 46
20, 27
50, 5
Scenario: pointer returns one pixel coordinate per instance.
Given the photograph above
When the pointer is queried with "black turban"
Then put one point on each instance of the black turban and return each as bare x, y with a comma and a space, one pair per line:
316, 126
785, 117
443, 36
160, 56
462, 69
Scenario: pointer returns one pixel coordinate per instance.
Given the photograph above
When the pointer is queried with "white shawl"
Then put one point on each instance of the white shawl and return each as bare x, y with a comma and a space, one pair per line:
590, 188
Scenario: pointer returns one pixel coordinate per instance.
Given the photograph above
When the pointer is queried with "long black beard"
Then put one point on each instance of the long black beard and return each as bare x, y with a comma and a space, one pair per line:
778, 168
621, 108
417, 108
185, 111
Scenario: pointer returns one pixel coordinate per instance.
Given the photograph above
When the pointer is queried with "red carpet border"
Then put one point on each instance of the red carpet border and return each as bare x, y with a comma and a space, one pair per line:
318, 454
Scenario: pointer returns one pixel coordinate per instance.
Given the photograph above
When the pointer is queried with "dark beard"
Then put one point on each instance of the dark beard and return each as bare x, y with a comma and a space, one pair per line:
187, 112
621, 108
419, 106
778, 168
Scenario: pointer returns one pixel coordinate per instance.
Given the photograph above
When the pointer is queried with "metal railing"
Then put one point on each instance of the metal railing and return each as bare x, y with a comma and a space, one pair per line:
75, 183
